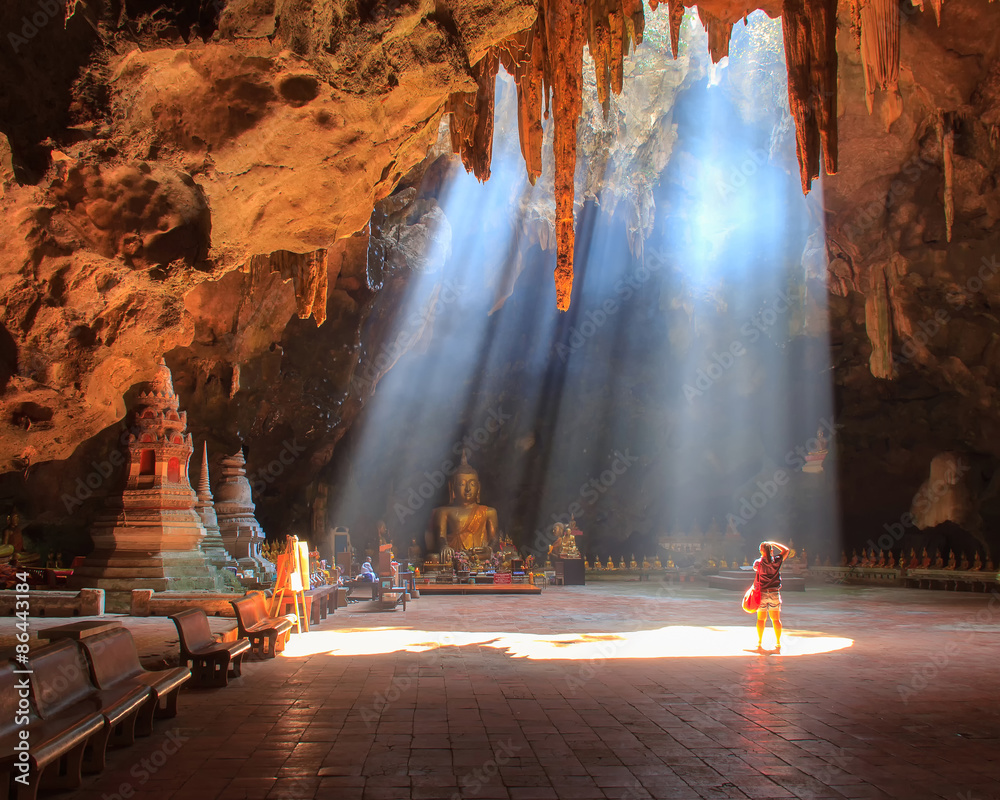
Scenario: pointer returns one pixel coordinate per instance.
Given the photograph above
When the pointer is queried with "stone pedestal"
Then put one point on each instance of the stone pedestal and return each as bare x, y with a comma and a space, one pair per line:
150, 537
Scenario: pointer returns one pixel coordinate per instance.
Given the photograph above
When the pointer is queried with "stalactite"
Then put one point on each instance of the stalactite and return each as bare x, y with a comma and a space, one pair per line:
719, 32
878, 324
547, 65
525, 63
471, 123
676, 11
810, 34
879, 22
308, 273
946, 137
563, 21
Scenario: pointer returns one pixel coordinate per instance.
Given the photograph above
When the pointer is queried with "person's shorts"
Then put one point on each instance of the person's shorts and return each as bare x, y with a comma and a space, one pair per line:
770, 599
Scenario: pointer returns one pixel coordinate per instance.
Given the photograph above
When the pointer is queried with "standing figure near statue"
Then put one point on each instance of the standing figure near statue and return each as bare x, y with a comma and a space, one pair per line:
464, 524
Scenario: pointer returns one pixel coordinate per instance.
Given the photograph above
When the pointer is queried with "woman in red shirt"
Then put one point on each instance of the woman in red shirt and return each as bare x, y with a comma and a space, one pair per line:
768, 568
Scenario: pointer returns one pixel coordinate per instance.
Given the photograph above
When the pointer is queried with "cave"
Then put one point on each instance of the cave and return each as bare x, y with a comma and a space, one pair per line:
559, 318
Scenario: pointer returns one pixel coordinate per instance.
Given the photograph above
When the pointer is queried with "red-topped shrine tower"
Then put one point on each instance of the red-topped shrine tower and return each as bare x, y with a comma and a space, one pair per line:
151, 536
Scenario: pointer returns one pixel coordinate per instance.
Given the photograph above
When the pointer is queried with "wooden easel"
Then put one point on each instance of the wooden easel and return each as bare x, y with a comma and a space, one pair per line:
291, 580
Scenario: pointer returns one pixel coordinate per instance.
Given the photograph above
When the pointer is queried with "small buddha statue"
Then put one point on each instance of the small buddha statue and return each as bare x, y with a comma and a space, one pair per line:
952, 563
826, 561
723, 564
13, 539
925, 560
621, 564
657, 564
865, 558
977, 563
881, 559
746, 562
854, 559
414, 553
632, 564
597, 563
645, 562
611, 564
464, 524
939, 561
843, 558
890, 561
586, 563
964, 563
670, 563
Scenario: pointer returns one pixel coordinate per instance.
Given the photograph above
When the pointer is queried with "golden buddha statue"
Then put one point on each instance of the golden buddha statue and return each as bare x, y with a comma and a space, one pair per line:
977, 563
964, 563
951, 560
925, 559
621, 565
657, 564
632, 564
464, 524
611, 564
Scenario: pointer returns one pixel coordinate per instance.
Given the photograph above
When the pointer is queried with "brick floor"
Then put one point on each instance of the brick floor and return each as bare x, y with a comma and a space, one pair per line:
522, 706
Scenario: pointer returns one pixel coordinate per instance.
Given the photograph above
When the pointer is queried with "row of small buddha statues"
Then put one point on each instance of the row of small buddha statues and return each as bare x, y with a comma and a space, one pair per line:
870, 559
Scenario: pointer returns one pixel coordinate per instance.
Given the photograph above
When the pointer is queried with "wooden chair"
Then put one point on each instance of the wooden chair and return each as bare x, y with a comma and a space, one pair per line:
56, 750
210, 661
114, 662
263, 631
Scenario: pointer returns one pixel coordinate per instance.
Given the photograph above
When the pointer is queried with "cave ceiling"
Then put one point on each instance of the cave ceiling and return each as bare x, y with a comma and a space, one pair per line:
196, 177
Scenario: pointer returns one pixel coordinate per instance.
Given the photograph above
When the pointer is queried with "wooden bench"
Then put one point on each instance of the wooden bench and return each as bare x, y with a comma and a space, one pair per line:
361, 587
114, 662
61, 685
209, 660
398, 593
264, 632
55, 745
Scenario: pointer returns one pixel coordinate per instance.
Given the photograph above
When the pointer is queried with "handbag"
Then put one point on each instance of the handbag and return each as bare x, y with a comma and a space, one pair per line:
751, 600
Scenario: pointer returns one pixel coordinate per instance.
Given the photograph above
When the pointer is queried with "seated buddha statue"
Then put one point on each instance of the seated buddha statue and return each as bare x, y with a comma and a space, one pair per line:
464, 524
925, 559
977, 563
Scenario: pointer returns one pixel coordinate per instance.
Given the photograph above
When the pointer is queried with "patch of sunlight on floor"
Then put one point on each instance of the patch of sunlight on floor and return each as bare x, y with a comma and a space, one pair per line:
672, 641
